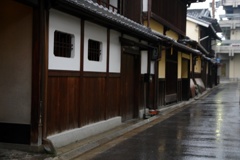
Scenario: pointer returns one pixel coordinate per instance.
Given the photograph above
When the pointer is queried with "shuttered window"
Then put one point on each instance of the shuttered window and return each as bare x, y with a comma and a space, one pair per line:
63, 45
94, 50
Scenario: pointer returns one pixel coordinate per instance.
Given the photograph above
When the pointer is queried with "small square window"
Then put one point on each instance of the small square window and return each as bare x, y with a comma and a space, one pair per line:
94, 50
63, 44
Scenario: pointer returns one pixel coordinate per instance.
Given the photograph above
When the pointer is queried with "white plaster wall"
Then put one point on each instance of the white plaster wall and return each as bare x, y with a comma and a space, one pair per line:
114, 52
152, 67
15, 63
68, 24
145, 5
192, 30
144, 61
97, 33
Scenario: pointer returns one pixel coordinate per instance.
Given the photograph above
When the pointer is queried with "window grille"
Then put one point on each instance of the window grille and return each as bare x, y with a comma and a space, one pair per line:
94, 50
63, 44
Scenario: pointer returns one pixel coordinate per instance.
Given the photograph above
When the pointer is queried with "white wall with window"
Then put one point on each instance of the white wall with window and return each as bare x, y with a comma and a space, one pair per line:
68, 27
94, 32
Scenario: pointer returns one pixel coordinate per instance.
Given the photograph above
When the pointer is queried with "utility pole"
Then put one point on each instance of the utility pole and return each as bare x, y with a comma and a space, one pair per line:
213, 8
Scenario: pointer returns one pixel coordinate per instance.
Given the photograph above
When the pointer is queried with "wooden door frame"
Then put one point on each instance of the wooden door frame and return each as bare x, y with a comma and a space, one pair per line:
137, 75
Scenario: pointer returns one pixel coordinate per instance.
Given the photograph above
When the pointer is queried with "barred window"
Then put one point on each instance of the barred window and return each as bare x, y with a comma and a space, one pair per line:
94, 50
63, 44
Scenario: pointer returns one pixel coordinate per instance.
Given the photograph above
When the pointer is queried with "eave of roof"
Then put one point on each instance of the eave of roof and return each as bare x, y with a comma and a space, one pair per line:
102, 15
178, 45
198, 21
214, 23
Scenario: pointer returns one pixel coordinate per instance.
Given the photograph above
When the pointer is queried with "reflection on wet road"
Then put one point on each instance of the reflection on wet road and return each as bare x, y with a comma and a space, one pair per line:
208, 129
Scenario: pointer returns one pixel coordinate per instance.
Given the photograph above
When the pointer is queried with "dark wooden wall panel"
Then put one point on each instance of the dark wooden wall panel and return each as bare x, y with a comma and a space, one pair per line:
93, 100
128, 88
152, 93
179, 90
185, 89
142, 93
204, 72
75, 101
162, 92
132, 10
171, 11
171, 77
63, 103
197, 75
113, 97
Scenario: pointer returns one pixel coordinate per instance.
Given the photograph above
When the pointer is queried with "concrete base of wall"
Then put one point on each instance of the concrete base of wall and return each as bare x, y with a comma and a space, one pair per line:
67, 137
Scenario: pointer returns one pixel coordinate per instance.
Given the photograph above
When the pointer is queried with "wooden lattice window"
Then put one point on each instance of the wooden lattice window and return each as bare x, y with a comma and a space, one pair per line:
94, 50
63, 45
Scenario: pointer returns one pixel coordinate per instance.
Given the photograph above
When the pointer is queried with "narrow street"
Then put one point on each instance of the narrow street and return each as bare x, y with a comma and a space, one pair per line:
209, 128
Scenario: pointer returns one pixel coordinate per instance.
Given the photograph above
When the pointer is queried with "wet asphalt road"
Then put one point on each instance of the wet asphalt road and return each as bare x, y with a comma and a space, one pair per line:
209, 129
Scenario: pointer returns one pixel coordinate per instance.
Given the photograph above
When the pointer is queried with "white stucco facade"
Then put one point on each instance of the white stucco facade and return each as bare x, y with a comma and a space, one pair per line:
96, 33
62, 22
114, 52
192, 30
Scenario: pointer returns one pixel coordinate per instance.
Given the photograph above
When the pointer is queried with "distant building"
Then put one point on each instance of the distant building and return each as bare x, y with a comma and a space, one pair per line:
202, 31
229, 50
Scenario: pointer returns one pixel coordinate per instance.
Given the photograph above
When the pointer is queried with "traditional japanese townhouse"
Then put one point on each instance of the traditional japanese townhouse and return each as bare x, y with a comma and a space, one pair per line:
167, 18
74, 68
203, 29
71, 69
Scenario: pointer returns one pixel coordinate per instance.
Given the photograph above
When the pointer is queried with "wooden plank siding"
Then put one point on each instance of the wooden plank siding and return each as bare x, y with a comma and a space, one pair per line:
171, 76
142, 93
63, 104
130, 76
171, 13
152, 93
113, 98
185, 89
179, 90
204, 72
162, 91
75, 101
132, 10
